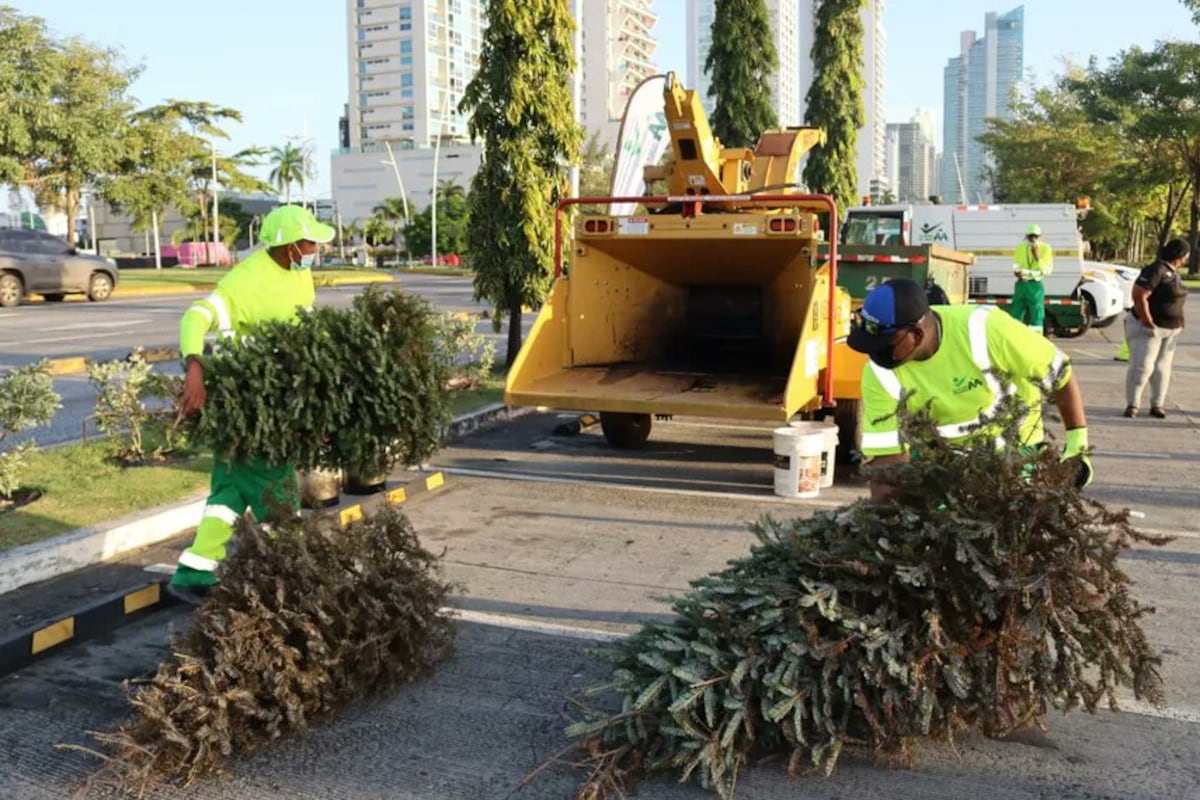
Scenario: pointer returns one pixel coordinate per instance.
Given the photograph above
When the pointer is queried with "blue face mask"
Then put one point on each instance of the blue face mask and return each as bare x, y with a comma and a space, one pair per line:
306, 261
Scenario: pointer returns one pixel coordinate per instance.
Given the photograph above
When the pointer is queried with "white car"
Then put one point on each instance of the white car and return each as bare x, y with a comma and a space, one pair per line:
1123, 277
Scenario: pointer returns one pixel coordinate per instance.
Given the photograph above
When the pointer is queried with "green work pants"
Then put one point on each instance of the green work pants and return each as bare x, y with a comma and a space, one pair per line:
266, 489
1029, 304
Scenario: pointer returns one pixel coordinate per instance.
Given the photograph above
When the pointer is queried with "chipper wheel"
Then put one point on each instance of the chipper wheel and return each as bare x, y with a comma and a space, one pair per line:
625, 431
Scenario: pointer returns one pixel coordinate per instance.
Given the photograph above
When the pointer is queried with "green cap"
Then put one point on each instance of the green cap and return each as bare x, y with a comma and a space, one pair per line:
288, 224
1033, 230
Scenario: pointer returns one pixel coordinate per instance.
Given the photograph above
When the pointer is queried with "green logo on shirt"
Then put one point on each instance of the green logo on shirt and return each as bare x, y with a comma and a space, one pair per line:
963, 384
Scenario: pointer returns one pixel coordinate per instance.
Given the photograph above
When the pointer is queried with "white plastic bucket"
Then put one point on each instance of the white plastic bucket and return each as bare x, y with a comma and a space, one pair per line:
828, 429
798, 462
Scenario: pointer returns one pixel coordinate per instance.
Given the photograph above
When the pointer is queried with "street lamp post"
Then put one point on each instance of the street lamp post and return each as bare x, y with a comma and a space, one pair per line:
399, 182
216, 233
437, 149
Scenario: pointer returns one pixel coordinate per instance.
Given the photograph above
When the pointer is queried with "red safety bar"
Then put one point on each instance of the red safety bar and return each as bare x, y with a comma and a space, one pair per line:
690, 204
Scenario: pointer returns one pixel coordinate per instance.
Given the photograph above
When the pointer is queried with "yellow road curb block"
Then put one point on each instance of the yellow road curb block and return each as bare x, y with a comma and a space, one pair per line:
66, 366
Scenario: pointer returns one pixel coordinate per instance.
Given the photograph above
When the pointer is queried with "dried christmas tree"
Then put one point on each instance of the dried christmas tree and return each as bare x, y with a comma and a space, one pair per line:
360, 388
985, 592
305, 620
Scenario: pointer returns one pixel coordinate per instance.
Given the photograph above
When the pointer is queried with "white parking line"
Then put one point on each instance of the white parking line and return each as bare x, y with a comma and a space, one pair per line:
78, 326
537, 478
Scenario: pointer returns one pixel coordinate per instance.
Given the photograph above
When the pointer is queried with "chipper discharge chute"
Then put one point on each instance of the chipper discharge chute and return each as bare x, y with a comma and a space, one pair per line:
711, 303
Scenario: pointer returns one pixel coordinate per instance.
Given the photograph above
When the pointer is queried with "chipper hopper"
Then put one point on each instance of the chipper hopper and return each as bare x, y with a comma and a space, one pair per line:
711, 302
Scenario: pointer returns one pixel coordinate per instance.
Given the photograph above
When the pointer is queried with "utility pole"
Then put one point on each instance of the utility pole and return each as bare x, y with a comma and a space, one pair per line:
437, 148
216, 232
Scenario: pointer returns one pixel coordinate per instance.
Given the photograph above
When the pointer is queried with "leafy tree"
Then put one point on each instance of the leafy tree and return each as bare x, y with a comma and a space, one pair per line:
741, 63
449, 187
64, 104
595, 170
452, 216
835, 101
151, 175
1150, 95
1194, 7
27, 399
520, 106
378, 230
396, 211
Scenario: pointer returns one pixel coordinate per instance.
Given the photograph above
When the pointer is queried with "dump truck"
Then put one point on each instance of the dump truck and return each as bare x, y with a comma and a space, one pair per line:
711, 301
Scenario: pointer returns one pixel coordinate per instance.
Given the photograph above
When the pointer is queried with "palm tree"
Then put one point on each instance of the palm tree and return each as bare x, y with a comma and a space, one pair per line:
394, 210
449, 188
289, 164
376, 230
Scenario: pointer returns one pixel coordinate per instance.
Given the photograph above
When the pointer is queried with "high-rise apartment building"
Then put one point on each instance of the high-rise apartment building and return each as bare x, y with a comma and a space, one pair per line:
618, 54
786, 23
979, 83
409, 64
915, 159
410, 61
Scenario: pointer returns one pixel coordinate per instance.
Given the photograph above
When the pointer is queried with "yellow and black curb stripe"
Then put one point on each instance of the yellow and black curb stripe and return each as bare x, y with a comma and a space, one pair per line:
110, 612
94, 619
75, 365
422, 484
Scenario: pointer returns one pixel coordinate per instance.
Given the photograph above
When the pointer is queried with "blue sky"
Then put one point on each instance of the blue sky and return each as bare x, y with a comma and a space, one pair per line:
283, 62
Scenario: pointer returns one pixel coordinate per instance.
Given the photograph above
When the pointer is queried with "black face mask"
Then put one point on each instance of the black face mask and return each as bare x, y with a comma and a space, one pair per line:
886, 357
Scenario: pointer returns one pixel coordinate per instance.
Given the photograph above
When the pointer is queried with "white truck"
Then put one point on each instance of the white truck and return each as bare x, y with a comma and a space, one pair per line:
1076, 297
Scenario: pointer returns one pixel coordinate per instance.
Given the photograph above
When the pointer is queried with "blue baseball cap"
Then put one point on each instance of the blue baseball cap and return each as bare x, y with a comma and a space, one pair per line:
887, 309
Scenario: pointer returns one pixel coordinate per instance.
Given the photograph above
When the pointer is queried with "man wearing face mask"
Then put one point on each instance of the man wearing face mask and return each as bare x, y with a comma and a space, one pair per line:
273, 283
947, 354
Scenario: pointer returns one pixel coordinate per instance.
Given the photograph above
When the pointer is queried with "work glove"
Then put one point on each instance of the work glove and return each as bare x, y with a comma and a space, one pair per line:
1077, 448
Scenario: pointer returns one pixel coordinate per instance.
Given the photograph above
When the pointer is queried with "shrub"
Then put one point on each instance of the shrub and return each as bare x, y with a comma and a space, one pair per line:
305, 620
986, 591
356, 389
27, 399
135, 406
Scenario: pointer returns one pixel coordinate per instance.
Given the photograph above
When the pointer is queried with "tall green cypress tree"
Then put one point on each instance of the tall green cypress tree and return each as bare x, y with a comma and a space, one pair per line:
835, 101
741, 63
521, 109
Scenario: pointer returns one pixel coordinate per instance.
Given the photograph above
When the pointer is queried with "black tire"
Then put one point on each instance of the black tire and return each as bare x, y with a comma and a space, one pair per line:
12, 290
100, 287
848, 417
625, 431
1087, 308
53, 297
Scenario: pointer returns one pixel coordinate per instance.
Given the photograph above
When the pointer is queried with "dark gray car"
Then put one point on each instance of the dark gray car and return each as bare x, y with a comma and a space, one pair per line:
34, 262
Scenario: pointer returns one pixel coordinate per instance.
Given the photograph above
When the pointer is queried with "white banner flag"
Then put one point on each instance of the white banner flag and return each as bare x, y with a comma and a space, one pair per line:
642, 141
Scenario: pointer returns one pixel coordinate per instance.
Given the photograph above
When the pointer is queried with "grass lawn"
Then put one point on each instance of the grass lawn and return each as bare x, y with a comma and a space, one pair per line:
80, 488
1192, 283
470, 400
208, 276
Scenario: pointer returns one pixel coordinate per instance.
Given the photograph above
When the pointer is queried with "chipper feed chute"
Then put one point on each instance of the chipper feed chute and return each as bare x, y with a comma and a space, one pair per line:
713, 303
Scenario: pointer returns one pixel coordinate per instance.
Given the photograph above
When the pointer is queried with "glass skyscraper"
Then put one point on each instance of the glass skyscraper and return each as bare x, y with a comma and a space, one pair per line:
979, 83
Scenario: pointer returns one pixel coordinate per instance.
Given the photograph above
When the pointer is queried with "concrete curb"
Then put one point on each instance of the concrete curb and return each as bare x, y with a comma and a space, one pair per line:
195, 288
87, 546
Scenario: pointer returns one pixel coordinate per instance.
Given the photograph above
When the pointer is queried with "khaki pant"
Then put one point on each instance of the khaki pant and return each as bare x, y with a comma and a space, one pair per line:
1150, 355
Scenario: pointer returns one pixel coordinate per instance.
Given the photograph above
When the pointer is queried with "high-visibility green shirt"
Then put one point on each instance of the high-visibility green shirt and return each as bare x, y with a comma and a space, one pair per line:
1030, 265
957, 379
256, 290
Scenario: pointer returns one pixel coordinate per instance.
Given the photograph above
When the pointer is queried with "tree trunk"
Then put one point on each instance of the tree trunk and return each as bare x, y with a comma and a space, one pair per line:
514, 334
71, 201
1194, 229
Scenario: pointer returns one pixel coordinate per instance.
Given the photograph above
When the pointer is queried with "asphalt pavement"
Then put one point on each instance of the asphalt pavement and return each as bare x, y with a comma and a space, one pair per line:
112, 329
560, 542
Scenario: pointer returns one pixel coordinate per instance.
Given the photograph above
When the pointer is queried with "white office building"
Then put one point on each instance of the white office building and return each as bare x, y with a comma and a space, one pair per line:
786, 17
618, 54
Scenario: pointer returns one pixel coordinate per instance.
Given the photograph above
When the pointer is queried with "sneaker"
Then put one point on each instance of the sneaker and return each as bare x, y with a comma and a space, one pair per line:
1157, 411
1130, 412
189, 595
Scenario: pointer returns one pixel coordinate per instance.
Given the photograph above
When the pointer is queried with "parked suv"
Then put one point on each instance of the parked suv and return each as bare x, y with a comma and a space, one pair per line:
34, 262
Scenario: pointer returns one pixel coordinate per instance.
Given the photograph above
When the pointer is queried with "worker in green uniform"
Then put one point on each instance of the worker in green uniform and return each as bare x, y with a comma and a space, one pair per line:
273, 283
1033, 261
951, 357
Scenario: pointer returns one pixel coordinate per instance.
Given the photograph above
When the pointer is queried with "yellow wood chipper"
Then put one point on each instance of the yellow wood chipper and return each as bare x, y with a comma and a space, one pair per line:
714, 301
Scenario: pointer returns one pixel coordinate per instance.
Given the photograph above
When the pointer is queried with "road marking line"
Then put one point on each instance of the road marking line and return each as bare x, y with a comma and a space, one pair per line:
78, 326
535, 478
1128, 705
75, 338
